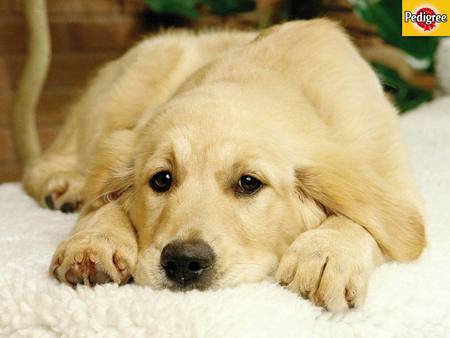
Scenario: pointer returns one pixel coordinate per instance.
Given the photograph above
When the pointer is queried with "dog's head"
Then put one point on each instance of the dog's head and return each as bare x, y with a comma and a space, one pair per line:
210, 187
215, 200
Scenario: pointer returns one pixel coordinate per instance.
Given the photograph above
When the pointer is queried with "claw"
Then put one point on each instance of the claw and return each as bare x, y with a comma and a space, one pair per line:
305, 294
49, 202
118, 262
67, 208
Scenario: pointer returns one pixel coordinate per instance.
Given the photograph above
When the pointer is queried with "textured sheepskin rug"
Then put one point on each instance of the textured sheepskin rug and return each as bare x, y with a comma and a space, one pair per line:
404, 300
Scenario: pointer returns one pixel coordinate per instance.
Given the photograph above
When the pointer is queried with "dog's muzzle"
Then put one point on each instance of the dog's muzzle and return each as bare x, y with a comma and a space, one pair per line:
189, 264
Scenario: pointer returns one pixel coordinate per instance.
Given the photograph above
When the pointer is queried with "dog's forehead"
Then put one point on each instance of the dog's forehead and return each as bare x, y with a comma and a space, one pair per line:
192, 144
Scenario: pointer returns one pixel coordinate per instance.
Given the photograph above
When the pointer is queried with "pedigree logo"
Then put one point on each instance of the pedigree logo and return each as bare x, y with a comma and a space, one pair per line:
429, 18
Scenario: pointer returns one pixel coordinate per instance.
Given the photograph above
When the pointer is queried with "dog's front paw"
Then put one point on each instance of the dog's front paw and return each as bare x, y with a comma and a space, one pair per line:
63, 191
90, 257
327, 267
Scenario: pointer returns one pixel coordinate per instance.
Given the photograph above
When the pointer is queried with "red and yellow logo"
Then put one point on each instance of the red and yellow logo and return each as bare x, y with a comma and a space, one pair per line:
426, 18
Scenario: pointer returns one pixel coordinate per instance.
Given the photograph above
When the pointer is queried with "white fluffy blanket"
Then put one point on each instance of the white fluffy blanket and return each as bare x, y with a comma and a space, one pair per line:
404, 300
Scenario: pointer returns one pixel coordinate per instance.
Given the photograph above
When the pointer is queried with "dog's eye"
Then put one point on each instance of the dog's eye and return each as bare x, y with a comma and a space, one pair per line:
161, 182
248, 185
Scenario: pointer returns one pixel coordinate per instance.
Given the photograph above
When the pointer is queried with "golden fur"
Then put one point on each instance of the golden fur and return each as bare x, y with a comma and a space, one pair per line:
296, 107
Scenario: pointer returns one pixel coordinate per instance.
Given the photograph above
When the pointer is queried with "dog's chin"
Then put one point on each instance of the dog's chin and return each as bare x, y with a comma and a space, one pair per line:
201, 286
227, 281
157, 280
231, 278
149, 273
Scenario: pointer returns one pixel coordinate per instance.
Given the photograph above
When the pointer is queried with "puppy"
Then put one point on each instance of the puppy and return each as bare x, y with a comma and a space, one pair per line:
207, 161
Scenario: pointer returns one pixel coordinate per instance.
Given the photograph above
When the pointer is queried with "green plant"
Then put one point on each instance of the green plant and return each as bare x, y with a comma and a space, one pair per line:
189, 8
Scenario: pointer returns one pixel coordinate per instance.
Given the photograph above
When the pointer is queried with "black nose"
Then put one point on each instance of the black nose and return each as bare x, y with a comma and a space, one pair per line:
186, 262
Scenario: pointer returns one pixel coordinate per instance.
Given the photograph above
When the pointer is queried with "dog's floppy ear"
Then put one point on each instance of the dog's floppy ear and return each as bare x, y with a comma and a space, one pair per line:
344, 185
111, 173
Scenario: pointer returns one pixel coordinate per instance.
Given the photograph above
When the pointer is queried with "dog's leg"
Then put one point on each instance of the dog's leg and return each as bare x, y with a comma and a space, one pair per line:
56, 179
103, 244
101, 249
331, 264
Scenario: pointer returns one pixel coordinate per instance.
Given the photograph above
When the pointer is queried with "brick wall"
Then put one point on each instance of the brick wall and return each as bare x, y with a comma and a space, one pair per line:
85, 33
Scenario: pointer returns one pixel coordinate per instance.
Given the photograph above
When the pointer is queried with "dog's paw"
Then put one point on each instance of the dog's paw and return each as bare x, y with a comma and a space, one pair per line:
90, 257
328, 268
63, 191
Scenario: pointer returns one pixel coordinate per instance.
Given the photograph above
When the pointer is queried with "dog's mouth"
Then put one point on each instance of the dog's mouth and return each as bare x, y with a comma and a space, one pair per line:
204, 282
188, 265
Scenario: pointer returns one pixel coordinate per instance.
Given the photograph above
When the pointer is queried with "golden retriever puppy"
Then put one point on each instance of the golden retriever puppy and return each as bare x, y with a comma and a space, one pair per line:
225, 158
